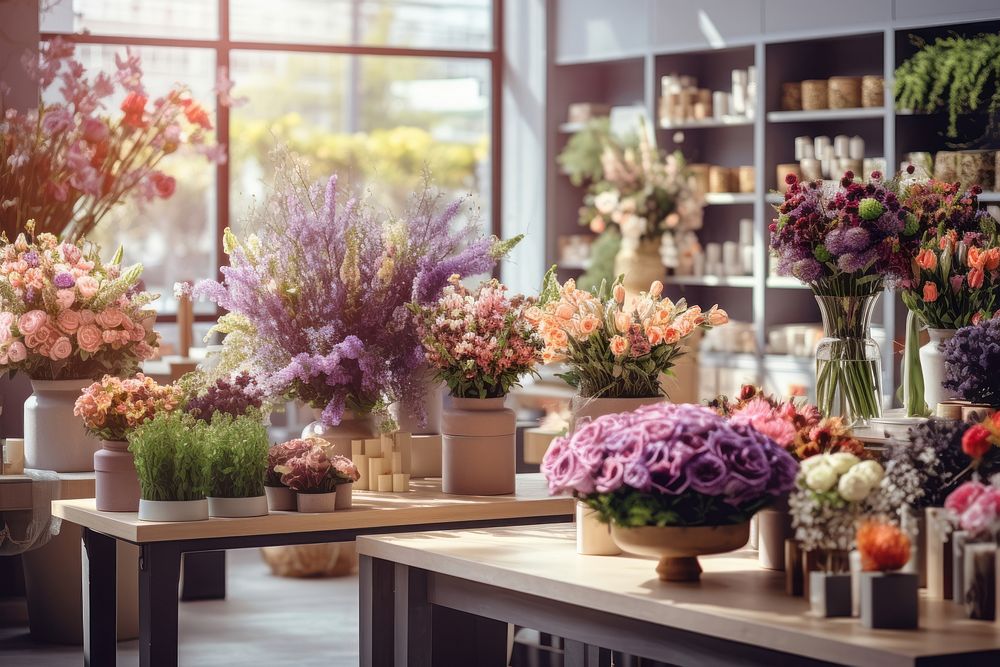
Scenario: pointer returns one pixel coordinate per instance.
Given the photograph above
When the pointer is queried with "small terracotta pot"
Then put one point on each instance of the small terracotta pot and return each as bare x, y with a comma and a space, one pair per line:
316, 502
116, 483
345, 496
478, 448
280, 498
678, 547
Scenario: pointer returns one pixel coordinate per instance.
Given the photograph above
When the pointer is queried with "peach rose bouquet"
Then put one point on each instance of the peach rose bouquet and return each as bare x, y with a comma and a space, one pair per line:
615, 349
111, 408
66, 315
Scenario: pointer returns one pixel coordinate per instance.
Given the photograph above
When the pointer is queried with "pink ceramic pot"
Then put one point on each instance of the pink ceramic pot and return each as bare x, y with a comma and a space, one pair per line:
478, 447
116, 481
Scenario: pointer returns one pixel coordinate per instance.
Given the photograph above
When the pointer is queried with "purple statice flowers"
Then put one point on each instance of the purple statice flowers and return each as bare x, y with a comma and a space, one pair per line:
971, 362
669, 464
323, 285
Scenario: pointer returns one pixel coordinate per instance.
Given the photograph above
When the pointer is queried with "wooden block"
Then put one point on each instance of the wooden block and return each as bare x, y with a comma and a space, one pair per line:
400, 482
357, 447
373, 447
426, 456
536, 443
404, 445
388, 446
385, 483
397, 463
376, 467
363, 483
13, 457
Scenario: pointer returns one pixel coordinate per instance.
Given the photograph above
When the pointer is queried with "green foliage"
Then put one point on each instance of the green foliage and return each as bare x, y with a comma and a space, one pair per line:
170, 458
633, 509
581, 159
960, 74
602, 259
235, 454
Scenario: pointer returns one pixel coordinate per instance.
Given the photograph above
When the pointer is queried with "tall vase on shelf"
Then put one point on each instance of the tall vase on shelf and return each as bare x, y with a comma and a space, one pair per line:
54, 439
640, 262
848, 361
932, 367
478, 450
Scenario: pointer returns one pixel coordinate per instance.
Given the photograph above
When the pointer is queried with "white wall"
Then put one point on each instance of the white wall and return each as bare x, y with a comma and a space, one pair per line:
18, 33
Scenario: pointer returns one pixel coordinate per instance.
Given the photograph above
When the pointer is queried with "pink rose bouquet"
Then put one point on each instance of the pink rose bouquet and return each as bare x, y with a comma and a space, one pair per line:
480, 342
112, 407
315, 471
615, 349
66, 315
975, 507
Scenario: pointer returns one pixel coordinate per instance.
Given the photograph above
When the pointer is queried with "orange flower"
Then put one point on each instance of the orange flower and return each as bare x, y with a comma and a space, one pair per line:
619, 346
927, 259
565, 311
197, 114
930, 292
717, 316
623, 321
976, 277
976, 259
993, 259
619, 292
883, 546
588, 325
134, 106
656, 289
655, 335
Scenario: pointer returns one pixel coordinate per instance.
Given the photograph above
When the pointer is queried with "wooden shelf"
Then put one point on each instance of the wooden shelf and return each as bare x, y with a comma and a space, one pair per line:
710, 281
729, 198
821, 115
708, 123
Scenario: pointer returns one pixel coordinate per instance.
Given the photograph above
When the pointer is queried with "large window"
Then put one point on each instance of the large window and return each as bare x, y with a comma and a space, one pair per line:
379, 91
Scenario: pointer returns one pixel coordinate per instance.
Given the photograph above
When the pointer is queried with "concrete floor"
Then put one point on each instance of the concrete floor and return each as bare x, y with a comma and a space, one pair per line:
266, 620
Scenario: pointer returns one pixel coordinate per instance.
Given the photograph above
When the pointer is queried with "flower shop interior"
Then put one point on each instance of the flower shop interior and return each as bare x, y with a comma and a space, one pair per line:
513, 333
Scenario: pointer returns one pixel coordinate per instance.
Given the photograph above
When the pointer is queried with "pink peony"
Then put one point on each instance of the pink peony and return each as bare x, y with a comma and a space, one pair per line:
65, 298
89, 338
17, 352
68, 321
109, 318
61, 349
87, 286
961, 498
32, 321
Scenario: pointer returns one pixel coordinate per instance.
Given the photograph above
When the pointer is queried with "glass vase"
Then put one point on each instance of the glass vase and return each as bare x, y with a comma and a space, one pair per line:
848, 361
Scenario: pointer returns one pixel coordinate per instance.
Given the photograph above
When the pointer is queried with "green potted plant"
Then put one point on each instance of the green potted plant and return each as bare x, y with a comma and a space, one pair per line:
170, 460
236, 461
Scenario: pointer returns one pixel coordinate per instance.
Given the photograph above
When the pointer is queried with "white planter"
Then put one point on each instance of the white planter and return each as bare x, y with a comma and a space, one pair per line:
345, 496
173, 510
54, 439
932, 365
237, 507
280, 498
316, 502
593, 538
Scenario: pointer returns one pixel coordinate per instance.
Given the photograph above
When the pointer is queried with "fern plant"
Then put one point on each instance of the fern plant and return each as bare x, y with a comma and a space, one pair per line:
956, 73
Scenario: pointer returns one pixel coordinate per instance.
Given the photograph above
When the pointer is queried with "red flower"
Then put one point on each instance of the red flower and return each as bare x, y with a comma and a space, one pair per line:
134, 107
197, 114
164, 185
976, 441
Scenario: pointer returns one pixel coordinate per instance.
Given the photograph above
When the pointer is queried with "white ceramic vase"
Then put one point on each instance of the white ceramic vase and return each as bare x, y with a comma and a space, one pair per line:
173, 510
316, 502
54, 439
237, 507
352, 426
932, 366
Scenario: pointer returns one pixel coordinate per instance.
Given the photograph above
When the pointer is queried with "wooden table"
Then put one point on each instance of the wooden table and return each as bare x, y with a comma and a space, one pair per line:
532, 577
162, 544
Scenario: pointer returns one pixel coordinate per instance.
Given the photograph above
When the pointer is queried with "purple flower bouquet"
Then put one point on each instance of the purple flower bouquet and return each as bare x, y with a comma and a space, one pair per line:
670, 465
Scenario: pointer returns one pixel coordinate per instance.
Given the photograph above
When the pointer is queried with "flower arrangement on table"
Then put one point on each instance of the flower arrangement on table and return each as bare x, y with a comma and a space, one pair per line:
615, 349
170, 458
316, 471
66, 315
236, 448
845, 242
971, 360
832, 491
671, 466
113, 407
317, 295
883, 546
65, 164
234, 395
481, 343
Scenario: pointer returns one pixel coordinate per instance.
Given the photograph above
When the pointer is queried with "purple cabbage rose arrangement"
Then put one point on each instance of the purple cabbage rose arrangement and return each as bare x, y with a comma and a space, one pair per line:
670, 465
317, 294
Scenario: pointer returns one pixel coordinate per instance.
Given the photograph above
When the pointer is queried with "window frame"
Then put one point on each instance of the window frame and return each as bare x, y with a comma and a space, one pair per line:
223, 46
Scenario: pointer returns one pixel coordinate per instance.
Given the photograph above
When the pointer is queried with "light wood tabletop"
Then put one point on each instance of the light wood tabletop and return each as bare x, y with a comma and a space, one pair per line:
735, 601
424, 504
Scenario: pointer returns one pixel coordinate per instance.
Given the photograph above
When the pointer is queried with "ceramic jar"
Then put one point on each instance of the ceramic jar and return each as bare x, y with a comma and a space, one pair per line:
116, 483
54, 439
235, 508
641, 264
280, 498
432, 392
173, 510
316, 502
345, 496
932, 366
478, 447
352, 426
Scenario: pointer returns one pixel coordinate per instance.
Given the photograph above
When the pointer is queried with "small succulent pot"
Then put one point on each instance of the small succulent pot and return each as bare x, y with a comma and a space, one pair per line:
980, 580
345, 496
939, 554
280, 498
236, 508
173, 510
316, 502
830, 594
889, 600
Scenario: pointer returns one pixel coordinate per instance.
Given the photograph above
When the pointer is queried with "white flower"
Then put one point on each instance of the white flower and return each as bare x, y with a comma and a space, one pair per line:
606, 202
821, 478
853, 487
871, 471
808, 464
841, 462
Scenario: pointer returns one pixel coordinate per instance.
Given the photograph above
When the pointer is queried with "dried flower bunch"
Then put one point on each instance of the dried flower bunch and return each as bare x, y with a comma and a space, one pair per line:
614, 349
971, 360
235, 396
66, 164
480, 342
316, 470
317, 295
112, 407
883, 546
669, 465
66, 315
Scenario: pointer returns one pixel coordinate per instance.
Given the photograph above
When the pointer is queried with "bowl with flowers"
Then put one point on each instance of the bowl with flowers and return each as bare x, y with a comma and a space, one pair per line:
675, 481
315, 475
281, 498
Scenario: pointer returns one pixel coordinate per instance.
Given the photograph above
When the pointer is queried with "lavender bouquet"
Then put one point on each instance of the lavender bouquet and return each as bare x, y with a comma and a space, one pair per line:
317, 294
971, 360
670, 465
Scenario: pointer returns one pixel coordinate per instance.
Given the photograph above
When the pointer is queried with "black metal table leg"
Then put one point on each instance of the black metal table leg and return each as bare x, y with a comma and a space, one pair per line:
204, 576
376, 608
159, 573
413, 618
100, 631
462, 639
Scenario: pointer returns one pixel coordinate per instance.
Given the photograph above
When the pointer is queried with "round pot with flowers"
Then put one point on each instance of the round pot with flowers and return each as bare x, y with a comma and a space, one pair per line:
481, 343
281, 498
110, 410
675, 481
315, 475
170, 455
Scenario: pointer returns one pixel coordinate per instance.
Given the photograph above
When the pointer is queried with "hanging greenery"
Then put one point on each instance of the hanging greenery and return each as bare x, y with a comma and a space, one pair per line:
956, 73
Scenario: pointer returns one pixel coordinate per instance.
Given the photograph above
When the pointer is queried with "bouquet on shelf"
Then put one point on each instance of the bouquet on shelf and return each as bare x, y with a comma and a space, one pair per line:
614, 349
317, 295
316, 471
971, 360
669, 465
65, 164
832, 491
481, 342
66, 315
113, 407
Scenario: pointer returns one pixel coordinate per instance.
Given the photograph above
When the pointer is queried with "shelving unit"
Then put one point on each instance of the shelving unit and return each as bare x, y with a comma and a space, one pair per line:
785, 42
